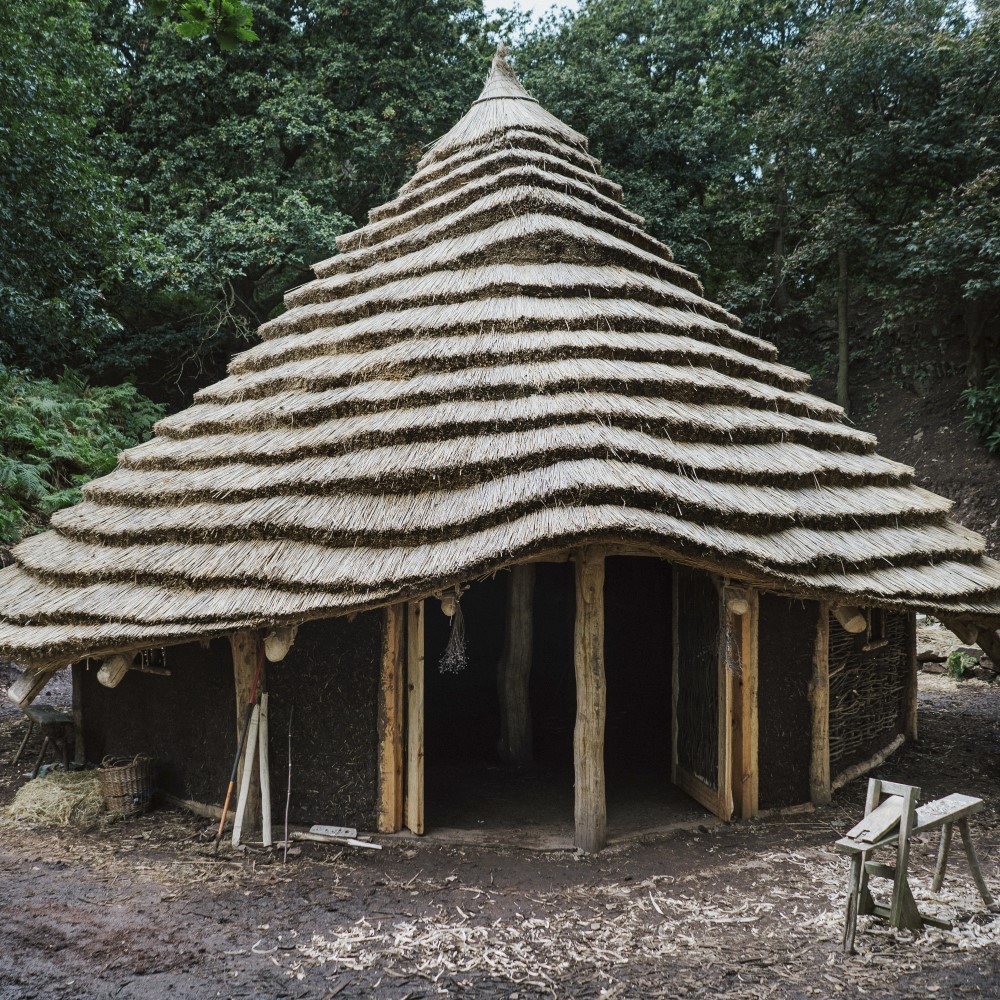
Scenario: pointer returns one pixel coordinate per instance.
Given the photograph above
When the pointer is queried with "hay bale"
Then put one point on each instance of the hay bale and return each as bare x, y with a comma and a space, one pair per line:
62, 798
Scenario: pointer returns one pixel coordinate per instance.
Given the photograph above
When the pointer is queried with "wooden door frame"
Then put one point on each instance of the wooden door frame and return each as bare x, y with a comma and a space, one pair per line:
719, 799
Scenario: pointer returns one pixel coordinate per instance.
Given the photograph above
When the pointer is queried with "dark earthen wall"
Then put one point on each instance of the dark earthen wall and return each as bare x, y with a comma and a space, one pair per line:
186, 721
328, 687
786, 646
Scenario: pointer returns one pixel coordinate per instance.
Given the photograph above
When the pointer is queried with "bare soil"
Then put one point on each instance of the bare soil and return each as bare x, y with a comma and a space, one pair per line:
143, 908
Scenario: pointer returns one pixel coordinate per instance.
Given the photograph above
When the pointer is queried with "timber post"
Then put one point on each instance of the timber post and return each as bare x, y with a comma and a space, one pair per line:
391, 716
910, 728
820, 791
415, 717
590, 809
514, 669
246, 648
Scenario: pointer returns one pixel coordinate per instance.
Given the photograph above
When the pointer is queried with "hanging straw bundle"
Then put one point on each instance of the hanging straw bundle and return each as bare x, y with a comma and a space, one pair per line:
454, 659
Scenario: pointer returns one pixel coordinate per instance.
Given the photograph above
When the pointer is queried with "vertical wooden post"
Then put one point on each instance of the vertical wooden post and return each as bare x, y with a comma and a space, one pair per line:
913, 668
245, 649
745, 779
415, 716
590, 811
819, 699
390, 721
79, 751
514, 669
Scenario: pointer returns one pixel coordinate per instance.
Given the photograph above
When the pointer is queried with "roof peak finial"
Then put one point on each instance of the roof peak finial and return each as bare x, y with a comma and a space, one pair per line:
502, 82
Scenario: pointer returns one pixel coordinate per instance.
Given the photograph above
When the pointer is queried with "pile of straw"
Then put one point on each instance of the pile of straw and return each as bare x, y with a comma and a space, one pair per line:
62, 798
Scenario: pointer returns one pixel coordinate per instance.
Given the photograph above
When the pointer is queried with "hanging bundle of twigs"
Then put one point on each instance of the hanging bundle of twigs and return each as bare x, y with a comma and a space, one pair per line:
453, 659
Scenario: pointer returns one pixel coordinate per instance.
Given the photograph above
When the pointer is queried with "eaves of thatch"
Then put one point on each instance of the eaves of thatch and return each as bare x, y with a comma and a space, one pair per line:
502, 364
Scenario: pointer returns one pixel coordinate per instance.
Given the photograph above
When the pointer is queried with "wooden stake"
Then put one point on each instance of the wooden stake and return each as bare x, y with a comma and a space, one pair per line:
390, 721
590, 813
415, 717
243, 802
265, 772
819, 699
245, 649
514, 669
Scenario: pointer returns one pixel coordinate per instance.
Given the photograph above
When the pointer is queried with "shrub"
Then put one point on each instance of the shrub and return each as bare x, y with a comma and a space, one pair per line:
982, 410
57, 435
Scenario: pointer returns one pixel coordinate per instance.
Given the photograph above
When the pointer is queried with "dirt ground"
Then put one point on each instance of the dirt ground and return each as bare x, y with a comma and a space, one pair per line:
143, 909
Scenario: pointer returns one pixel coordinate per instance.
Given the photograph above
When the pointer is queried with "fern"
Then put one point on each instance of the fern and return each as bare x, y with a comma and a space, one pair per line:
57, 435
982, 410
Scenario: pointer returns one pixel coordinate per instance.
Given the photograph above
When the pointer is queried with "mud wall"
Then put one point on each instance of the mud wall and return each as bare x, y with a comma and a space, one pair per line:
185, 721
786, 647
327, 689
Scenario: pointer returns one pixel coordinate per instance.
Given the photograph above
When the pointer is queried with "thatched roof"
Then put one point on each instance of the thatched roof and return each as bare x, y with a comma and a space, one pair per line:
501, 363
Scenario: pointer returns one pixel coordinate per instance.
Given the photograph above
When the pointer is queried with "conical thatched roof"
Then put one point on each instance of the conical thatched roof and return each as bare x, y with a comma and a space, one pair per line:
503, 362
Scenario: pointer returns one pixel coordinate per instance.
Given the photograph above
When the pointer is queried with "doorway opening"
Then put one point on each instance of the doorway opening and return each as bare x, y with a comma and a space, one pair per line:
468, 788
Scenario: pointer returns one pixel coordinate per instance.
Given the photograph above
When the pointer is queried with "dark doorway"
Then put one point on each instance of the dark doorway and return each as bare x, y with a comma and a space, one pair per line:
466, 786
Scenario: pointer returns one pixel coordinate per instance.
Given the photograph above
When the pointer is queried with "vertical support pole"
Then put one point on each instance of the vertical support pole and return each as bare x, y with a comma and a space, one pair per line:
391, 716
415, 716
514, 669
79, 751
590, 811
745, 784
245, 651
819, 699
913, 667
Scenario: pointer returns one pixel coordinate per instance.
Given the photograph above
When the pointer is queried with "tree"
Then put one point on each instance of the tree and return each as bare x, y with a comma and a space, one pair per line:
60, 210
248, 164
858, 116
631, 77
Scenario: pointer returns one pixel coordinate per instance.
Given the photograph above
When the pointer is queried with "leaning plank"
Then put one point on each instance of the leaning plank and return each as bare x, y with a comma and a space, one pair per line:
248, 774
590, 811
265, 772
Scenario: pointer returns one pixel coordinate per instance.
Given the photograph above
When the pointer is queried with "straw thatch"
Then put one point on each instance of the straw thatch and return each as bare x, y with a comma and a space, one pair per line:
501, 364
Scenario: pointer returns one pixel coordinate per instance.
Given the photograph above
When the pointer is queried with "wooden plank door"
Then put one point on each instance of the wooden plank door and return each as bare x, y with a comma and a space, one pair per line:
701, 761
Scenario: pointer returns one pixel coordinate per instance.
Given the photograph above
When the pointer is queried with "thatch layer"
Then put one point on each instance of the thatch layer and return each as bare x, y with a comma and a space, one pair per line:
502, 364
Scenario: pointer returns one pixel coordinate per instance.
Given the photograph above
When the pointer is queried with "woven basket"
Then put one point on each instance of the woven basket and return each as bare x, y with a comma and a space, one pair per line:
127, 784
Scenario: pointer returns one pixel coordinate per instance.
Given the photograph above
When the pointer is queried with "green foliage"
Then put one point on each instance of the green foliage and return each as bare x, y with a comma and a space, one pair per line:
228, 21
982, 410
247, 164
958, 663
60, 212
57, 435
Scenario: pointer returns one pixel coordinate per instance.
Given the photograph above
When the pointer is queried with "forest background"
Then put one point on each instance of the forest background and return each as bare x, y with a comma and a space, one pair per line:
168, 170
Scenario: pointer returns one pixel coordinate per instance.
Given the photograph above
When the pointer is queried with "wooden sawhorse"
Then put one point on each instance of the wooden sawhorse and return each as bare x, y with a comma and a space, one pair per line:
892, 823
55, 726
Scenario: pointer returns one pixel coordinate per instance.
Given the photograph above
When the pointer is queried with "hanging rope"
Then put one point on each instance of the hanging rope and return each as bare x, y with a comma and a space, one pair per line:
453, 659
